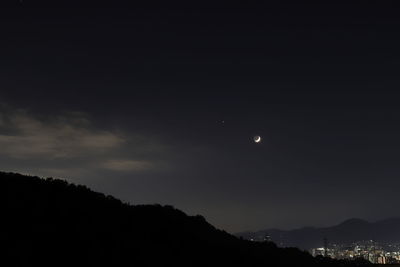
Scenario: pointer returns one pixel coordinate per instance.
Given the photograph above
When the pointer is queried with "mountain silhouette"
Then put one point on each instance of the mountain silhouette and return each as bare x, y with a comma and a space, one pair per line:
352, 230
49, 222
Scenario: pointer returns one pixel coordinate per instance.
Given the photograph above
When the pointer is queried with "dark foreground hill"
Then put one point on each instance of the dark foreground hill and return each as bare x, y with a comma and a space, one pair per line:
347, 232
54, 223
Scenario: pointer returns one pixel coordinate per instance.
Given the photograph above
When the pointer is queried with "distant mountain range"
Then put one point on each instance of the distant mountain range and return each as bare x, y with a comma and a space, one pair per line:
344, 233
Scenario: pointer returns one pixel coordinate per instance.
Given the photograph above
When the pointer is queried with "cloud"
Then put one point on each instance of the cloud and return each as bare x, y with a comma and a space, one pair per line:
25, 136
127, 165
70, 145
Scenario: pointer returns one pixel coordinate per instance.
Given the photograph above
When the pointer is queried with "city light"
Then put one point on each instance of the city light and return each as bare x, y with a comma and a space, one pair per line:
378, 253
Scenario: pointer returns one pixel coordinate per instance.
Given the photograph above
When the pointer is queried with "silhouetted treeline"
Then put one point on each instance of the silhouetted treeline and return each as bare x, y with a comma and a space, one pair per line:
49, 222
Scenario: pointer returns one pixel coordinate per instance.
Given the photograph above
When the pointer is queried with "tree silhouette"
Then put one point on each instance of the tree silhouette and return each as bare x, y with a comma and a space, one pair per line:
49, 222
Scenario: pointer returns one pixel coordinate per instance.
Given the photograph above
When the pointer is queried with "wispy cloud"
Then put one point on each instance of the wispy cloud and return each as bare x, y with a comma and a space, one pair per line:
25, 136
127, 165
62, 145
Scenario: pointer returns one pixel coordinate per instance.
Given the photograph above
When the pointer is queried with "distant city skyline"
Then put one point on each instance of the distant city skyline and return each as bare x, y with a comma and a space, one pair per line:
369, 250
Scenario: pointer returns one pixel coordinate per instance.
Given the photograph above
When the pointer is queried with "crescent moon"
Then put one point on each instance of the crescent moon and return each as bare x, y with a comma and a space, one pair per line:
257, 139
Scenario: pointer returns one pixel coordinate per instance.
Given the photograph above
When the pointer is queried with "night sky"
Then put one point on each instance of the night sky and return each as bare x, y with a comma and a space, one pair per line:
160, 105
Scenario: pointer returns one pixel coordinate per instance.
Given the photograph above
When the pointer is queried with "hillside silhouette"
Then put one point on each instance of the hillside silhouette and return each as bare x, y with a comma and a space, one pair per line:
49, 222
347, 232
